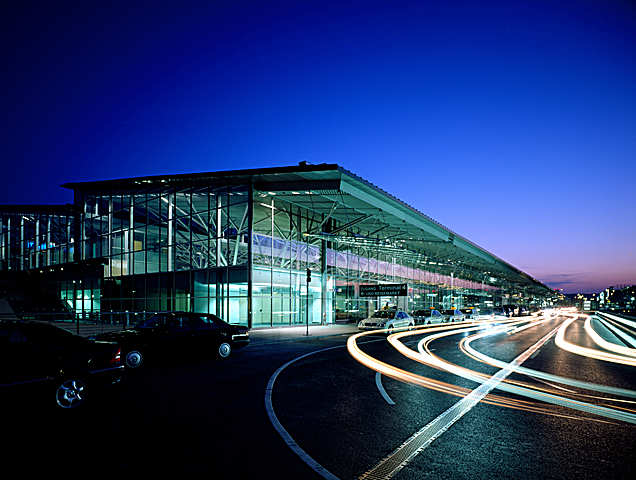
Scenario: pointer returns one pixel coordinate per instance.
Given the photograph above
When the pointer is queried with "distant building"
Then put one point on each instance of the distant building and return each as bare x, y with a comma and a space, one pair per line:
618, 298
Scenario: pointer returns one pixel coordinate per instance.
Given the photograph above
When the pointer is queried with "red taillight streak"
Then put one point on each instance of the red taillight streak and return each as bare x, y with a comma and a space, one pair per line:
116, 360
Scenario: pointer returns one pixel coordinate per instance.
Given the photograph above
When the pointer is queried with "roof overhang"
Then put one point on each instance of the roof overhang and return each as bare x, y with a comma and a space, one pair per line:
333, 191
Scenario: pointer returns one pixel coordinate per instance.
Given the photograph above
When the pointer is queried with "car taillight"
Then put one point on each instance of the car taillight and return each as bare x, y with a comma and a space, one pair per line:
116, 360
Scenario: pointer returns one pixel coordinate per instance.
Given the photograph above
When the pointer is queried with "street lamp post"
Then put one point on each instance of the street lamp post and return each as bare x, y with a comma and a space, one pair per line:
307, 297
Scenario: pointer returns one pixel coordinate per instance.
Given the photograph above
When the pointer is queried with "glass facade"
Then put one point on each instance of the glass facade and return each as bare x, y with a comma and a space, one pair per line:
283, 250
32, 239
241, 249
173, 249
286, 243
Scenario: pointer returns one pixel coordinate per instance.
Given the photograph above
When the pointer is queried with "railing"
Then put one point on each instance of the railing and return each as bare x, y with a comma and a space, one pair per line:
87, 324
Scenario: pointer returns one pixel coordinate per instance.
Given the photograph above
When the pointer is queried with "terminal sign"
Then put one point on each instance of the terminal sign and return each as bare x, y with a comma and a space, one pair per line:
393, 289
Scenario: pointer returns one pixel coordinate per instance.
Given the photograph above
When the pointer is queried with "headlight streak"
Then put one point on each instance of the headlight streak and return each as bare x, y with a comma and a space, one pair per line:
408, 377
542, 376
531, 324
617, 329
601, 342
421, 439
588, 352
537, 394
412, 378
624, 321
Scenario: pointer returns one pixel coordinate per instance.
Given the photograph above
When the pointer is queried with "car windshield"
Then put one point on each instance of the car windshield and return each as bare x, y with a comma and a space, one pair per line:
384, 314
449, 312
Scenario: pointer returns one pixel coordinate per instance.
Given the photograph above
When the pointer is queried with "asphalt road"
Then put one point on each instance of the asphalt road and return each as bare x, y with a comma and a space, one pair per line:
209, 417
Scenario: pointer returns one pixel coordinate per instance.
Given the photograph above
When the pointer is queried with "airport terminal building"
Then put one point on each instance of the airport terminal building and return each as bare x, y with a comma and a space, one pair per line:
242, 244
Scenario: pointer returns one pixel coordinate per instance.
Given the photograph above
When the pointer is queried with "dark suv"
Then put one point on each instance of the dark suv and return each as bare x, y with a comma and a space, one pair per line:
173, 335
41, 360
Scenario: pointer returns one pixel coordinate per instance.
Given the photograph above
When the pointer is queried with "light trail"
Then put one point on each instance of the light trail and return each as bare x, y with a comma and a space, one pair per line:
538, 397
601, 342
397, 460
534, 393
470, 351
589, 352
609, 324
519, 388
408, 377
624, 321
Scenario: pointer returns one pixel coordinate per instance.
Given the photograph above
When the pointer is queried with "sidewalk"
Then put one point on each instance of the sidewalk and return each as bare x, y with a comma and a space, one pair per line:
262, 336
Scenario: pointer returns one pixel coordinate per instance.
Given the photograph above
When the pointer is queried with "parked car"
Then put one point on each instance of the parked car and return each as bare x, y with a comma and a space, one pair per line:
470, 313
41, 362
388, 320
485, 314
170, 334
522, 311
435, 317
500, 313
348, 316
453, 315
420, 316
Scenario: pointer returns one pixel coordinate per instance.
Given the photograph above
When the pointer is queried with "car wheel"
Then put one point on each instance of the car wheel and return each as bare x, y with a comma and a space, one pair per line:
389, 331
224, 350
134, 359
411, 326
70, 393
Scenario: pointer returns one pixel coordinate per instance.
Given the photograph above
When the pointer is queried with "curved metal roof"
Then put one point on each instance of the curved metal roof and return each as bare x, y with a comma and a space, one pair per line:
355, 203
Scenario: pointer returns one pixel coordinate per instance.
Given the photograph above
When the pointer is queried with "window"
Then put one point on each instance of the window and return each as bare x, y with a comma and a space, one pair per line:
192, 322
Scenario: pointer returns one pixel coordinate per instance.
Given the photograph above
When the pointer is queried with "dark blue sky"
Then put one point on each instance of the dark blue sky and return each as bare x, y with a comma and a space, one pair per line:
512, 123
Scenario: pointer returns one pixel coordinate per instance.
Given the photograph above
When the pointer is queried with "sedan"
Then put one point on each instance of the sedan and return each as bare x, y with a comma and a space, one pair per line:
435, 317
387, 320
453, 315
42, 361
420, 316
167, 334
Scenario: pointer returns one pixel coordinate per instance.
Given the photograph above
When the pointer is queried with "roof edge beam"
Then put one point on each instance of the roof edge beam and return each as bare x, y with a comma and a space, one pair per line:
387, 205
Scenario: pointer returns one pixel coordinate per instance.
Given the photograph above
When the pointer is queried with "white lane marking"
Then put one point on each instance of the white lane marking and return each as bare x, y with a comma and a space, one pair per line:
287, 438
378, 382
421, 439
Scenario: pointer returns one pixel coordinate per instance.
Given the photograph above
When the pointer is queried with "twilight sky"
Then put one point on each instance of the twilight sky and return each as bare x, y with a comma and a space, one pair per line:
512, 123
